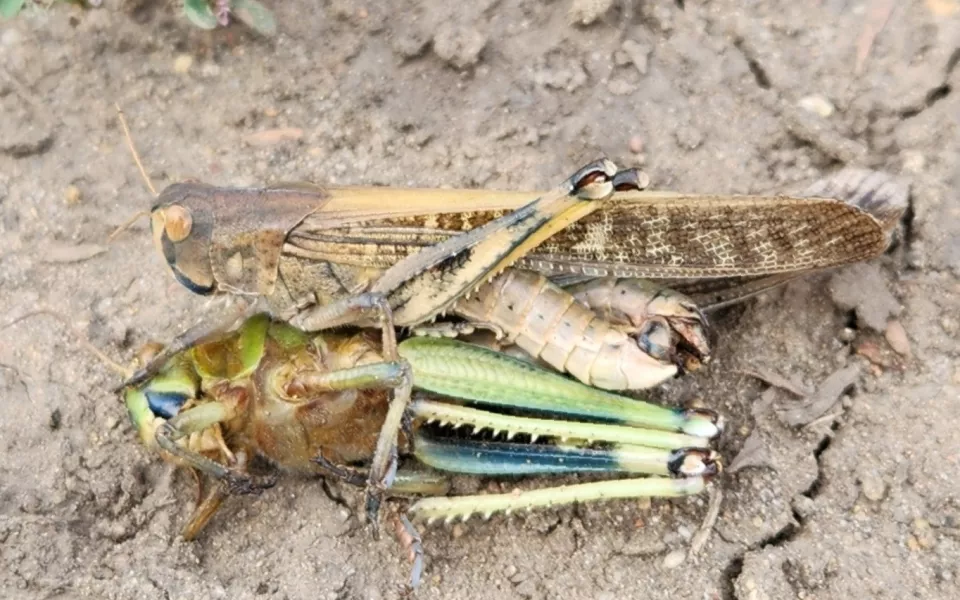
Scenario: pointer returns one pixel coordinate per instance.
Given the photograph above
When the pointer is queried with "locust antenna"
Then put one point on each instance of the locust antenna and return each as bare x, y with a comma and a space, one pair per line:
143, 174
133, 149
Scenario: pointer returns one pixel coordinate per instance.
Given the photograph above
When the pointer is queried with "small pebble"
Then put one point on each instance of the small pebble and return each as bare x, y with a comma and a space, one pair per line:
847, 334
949, 324
72, 195
271, 137
10, 37
458, 531
897, 338
585, 12
914, 162
688, 137
817, 104
636, 144
674, 559
923, 533
758, 521
639, 55
459, 46
874, 489
182, 63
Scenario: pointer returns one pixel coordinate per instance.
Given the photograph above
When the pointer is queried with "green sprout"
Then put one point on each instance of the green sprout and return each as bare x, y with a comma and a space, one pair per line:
209, 15
206, 14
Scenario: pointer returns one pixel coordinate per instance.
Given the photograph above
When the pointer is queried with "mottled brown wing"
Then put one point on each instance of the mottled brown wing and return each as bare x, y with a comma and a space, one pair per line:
711, 237
880, 194
634, 234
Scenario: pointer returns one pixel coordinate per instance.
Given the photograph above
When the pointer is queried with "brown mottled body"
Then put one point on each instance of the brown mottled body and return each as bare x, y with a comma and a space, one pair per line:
302, 249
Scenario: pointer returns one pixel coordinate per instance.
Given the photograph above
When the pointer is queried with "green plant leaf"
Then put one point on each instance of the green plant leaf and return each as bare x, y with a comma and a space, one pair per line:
255, 15
10, 8
199, 13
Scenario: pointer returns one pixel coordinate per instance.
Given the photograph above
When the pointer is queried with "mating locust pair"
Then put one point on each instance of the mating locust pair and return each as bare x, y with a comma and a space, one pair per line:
560, 277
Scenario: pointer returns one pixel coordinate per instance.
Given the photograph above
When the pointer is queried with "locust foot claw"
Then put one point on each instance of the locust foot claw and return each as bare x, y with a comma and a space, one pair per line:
243, 484
373, 499
695, 462
630, 180
710, 417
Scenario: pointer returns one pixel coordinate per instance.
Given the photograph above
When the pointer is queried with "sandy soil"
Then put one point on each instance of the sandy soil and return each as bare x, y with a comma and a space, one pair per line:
725, 96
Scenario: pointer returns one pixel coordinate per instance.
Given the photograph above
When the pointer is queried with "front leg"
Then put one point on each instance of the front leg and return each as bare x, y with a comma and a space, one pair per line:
394, 374
196, 420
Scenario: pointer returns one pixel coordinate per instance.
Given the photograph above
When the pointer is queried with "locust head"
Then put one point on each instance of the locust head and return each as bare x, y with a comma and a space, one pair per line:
183, 235
161, 397
676, 331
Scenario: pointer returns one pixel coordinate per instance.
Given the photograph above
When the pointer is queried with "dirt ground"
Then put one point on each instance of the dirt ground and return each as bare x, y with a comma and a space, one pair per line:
724, 96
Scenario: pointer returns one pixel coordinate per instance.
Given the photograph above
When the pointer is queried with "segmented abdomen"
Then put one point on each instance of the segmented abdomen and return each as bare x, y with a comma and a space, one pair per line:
548, 323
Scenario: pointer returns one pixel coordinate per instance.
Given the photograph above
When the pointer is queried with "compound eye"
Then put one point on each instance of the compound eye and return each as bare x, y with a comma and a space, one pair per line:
165, 404
656, 340
177, 222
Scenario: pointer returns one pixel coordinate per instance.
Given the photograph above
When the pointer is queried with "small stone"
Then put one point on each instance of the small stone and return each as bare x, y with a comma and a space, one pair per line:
874, 489
643, 547
458, 531
112, 422
619, 87
913, 544
209, 70
271, 112
684, 532
949, 324
688, 137
805, 506
914, 161
10, 37
410, 44
674, 559
72, 195
636, 144
817, 104
923, 533
271, 137
585, 12
182, 63
897, 338
847, 334
639, 55
459, 46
